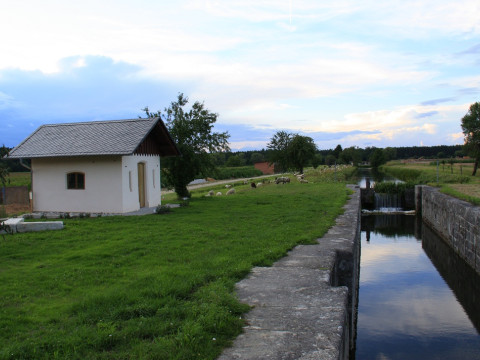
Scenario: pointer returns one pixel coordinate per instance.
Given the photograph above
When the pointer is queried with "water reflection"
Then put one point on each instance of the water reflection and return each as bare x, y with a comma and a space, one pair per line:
463, 280
406, 310
372, 176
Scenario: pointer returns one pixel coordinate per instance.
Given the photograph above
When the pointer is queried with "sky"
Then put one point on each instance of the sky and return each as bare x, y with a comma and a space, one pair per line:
355, 73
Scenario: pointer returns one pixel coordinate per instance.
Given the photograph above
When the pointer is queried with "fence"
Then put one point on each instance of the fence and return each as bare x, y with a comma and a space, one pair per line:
14, 195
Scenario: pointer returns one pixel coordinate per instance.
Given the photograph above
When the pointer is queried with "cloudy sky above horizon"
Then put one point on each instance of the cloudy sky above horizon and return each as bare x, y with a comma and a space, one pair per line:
369, 73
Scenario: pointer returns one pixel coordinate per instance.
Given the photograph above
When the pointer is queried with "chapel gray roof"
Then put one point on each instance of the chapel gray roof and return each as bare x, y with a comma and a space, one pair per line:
114, 137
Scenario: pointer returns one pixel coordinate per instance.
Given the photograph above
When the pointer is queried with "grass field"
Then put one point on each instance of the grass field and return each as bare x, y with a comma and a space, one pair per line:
453, 179
156, 286
19, 179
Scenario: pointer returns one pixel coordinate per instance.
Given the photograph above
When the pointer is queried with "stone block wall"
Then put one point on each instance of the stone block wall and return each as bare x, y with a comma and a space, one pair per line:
265, 168
456, 221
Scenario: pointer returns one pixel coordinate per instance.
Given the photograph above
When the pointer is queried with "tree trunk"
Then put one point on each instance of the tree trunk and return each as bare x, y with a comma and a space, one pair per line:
475, 166
182, 191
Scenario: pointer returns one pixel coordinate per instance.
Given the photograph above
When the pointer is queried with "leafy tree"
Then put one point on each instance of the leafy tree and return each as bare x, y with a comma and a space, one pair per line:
291, 151
4, 151
235, 160
191, 130
350, 155
218, 158
257, 157
377, 158
471, 130
278, 146
301, 150
459, 153
317, 160
337, 151
390, 153
330, 159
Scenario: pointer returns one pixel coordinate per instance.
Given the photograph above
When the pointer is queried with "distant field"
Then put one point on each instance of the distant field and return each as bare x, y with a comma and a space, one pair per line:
19, 179
155, 286
454, 179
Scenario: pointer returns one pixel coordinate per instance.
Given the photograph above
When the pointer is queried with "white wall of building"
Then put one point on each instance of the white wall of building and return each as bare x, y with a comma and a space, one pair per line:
111, 184
130, 181
103, 184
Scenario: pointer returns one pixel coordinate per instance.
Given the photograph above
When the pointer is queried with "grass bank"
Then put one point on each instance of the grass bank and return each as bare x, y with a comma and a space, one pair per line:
156, 286
19, 179
454, 179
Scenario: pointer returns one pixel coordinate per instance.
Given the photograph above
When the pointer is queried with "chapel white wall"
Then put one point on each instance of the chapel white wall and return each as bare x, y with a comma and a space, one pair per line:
131, 200
111, 184
103, 184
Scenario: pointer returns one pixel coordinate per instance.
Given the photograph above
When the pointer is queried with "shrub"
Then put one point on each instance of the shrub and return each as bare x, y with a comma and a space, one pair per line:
162, 209
390, 187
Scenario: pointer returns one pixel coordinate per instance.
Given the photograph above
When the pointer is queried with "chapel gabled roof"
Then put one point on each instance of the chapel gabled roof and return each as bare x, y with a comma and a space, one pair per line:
114, 137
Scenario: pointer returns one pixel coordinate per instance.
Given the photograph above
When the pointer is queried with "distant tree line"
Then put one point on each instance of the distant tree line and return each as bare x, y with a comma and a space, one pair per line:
322, 157
12, 165
348, 155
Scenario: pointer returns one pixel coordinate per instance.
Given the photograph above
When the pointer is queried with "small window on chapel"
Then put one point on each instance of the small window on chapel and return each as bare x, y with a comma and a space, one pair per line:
76, 180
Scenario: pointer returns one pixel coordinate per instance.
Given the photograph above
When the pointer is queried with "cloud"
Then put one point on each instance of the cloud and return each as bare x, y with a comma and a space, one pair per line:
6, 101
437, 101
473, 50
469, 91
305, 66
274, 11
85, 89
457, 137
427, 114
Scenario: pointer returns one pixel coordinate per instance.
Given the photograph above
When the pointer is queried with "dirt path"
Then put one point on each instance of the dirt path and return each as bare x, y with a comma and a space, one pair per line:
218, 182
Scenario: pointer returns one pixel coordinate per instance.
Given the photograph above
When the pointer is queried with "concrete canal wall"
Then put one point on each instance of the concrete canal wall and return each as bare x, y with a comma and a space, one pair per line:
456, 221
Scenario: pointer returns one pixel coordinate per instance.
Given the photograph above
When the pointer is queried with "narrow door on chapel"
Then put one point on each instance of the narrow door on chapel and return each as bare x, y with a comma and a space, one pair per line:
141, 184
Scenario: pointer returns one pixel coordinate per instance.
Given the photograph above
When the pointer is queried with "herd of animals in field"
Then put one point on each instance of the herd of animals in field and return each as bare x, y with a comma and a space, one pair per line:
277, 180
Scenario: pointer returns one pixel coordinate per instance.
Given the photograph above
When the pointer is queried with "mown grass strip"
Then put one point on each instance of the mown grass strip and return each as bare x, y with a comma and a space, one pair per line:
151, 287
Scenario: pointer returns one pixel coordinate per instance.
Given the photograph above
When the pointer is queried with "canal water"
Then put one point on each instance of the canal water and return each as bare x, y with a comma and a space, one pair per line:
416, 299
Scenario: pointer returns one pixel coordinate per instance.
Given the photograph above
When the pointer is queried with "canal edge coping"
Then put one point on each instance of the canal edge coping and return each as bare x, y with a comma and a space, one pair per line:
303, 305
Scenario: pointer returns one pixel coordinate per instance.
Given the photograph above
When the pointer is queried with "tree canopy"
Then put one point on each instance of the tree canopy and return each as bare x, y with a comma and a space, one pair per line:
192, 131
300, 151
471, 130
377, 158
291, 151
279, 146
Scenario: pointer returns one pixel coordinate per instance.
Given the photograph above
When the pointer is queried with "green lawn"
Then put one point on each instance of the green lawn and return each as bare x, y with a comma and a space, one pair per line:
453, 179
19, 179
156, 286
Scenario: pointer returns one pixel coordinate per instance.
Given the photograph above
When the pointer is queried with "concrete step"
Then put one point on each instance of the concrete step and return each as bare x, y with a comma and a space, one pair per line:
19, 225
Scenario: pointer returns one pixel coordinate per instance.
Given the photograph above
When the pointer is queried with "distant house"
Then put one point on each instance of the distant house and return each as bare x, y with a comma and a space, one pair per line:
99, 166
265, 167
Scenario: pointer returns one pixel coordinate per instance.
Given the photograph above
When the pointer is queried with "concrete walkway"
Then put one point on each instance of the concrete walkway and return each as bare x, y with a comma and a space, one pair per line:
297, 313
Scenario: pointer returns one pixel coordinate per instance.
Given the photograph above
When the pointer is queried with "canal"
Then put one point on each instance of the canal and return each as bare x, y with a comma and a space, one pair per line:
417, 299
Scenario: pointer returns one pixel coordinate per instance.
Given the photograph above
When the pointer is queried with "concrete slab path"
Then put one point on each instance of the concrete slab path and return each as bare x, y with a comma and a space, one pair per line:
297, 313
